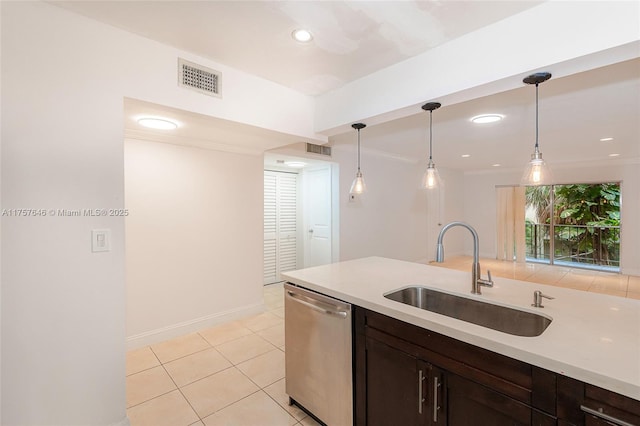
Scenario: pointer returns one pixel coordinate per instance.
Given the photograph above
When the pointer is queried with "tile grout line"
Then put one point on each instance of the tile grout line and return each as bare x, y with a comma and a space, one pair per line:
281, 407
179, 389
183, 356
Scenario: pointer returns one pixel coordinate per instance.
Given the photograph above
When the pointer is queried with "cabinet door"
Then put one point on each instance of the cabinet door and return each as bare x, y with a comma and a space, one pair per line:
395, 386
471, 404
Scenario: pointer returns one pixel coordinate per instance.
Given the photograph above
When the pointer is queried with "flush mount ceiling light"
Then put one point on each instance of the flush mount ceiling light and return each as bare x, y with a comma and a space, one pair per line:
431, 178
465, 155
301, 35
295, 164
606, 139
358, 186
614, 155
487, 118
157, 123
537, 171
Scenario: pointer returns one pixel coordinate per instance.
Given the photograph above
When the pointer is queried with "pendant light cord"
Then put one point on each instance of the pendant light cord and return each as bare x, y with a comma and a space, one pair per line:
536, 149
358, 150
430, 134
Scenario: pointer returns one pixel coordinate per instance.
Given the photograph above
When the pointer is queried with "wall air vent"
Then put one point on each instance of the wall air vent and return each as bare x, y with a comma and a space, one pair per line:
319, 149
199, 78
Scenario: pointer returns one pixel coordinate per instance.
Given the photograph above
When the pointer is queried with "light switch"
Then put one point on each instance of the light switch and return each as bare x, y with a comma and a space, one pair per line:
100, 240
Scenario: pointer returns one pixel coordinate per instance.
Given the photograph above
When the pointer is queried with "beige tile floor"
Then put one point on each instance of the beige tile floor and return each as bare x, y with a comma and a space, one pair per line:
233, 374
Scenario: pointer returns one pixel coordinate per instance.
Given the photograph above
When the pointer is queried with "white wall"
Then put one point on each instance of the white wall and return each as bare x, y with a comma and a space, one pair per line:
64, 78
62, 306
480, 203
194, 238
390, 219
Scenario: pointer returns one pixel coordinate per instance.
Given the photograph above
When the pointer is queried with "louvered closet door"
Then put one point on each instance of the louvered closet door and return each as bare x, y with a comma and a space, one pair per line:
269, 228
286, 221
280, 224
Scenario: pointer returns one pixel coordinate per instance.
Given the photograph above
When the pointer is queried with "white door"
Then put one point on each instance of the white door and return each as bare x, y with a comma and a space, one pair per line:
280, 224
317, 206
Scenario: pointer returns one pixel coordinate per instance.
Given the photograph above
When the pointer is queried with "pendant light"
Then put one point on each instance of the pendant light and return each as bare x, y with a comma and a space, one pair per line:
537, 171
431, 178
358, 186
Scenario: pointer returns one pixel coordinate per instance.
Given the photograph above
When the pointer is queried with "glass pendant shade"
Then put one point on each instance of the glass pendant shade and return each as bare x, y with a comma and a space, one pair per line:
358, 186
431, 178
537, 171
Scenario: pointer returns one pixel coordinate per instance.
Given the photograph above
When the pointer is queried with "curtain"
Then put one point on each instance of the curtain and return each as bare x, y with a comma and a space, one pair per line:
510, 234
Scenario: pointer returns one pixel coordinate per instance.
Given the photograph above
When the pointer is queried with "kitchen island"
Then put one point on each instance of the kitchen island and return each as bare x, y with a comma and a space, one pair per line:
592, 338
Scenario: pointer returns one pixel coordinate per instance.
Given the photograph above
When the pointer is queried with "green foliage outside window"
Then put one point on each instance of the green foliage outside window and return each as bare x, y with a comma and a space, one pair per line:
586, 222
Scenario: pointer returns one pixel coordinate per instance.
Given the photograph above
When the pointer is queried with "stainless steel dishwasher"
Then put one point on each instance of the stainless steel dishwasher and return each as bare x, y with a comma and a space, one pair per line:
318, 355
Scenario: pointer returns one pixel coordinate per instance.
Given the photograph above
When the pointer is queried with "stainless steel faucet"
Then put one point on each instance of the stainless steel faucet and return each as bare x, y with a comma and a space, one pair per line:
476, 277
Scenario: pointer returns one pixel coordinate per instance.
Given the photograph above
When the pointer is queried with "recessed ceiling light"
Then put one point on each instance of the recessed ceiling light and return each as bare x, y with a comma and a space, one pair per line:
303, 36
495, 165
157, 123
487, 118
295, 164
614, 155
606, 139
466, 155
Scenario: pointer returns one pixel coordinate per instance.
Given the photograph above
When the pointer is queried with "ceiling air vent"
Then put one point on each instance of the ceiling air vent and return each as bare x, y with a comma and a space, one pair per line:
319, 149
199, 78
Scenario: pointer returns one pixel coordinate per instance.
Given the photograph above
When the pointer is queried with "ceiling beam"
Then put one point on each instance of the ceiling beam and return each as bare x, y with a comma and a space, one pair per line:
563, 38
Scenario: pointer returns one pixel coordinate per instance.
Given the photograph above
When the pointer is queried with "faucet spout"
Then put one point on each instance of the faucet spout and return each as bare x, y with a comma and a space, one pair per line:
439, 253
476, 278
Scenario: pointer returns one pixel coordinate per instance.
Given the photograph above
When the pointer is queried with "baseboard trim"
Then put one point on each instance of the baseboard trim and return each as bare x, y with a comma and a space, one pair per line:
175, 330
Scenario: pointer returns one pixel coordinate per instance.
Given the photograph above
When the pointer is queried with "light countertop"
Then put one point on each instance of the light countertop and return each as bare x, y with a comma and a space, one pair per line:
593, 337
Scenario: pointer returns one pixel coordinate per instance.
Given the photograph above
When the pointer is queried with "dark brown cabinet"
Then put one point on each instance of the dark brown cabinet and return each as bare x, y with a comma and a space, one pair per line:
400, 387
584, 404
407, 375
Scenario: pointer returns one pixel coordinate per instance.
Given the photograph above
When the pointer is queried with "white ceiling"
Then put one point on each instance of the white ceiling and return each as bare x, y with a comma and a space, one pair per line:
355, 38
351, 38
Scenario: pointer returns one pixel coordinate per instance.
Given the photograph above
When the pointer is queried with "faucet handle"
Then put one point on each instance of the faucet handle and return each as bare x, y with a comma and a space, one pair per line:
488, 282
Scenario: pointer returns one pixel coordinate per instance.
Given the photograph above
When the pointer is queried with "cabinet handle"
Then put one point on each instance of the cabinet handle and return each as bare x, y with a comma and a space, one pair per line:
604, 416
436, 407
420, 397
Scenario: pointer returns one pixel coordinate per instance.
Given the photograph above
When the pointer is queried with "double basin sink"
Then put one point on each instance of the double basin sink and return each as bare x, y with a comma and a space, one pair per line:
496, 317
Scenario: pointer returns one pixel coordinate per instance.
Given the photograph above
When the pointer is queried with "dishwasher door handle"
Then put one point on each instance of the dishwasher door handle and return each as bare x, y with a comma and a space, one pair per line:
316, 305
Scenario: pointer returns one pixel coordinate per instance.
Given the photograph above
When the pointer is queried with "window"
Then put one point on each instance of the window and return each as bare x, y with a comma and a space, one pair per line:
574, 225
